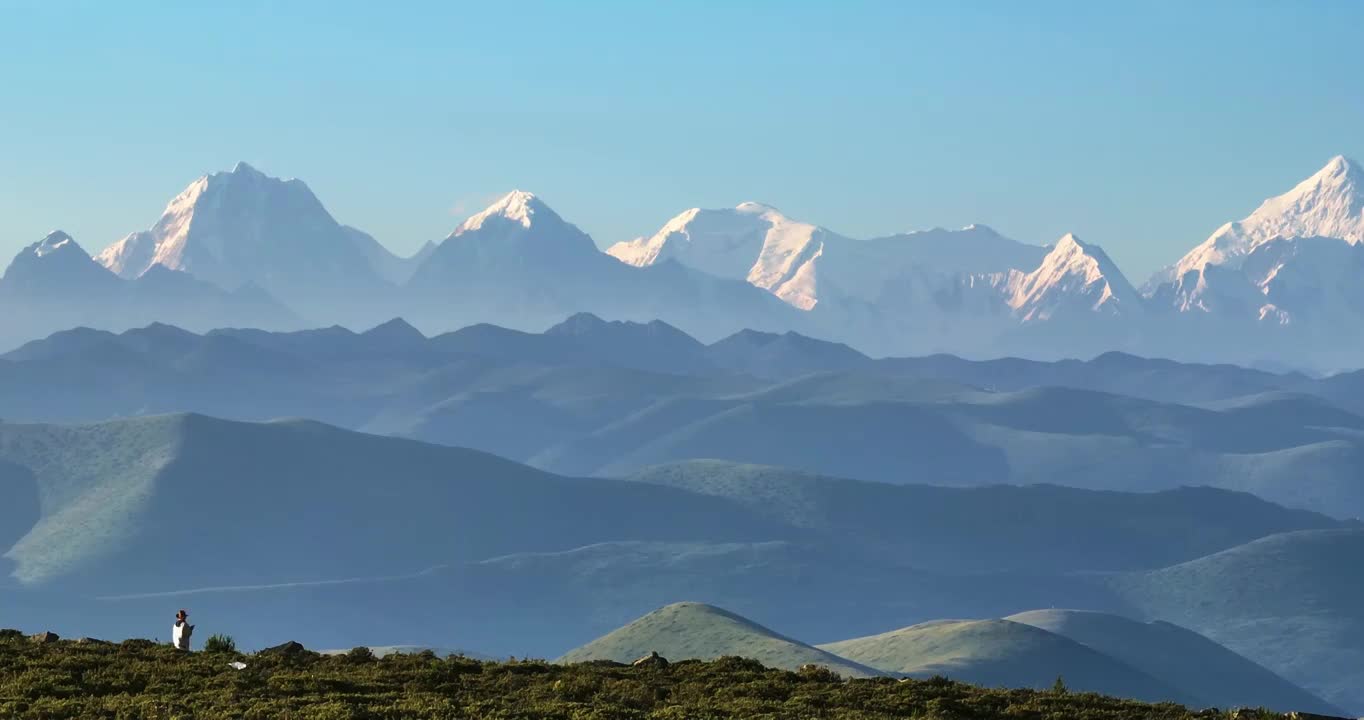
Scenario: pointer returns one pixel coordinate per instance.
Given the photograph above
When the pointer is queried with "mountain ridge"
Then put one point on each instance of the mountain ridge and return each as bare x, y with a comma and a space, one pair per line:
1272, 286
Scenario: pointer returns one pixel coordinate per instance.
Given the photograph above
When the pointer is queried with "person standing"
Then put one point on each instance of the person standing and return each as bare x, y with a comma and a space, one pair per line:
182, 631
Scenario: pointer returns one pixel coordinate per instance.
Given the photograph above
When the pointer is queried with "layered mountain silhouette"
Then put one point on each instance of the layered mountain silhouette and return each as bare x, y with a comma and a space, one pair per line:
592, 397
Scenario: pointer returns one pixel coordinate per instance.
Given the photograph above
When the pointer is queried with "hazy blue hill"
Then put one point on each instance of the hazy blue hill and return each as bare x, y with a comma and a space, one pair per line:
1115, 372
779, 356
123, 502
865, 441
1290, 601
523, 409
318, 343
60, 344
587, 340
655, 346
998, 527
687, 630
1181, 658
1001, 653
1064, 436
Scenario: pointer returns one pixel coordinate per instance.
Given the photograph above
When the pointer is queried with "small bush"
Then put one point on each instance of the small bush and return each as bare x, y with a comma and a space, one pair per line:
361, 654
220, 644
818, 673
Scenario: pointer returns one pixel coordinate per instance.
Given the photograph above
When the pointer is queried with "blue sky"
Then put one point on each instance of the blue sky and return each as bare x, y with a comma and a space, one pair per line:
1139, 127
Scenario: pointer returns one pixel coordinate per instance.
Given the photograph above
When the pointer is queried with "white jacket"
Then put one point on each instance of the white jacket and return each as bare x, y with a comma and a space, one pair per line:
180, 634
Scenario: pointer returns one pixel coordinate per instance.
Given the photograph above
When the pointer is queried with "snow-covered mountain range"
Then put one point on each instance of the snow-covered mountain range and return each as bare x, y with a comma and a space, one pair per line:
1276, 285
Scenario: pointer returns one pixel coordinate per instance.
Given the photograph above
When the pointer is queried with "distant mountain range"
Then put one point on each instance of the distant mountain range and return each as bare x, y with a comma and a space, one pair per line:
1272, 287
591, 397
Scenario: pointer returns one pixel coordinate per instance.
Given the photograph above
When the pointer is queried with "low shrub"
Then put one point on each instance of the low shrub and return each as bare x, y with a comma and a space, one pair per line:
220, 644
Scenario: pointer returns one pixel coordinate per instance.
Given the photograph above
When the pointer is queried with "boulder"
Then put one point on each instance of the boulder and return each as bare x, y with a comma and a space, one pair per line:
289, 649
44, 638
653, 659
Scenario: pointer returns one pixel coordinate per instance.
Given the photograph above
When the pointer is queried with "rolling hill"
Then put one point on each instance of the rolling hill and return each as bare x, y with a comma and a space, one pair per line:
997, 527
1000, 653
1181, 658
1064, 436
1289, 601
124, 503
685, 631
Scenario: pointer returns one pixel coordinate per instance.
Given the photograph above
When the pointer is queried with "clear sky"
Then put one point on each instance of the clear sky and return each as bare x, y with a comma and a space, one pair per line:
1139, 127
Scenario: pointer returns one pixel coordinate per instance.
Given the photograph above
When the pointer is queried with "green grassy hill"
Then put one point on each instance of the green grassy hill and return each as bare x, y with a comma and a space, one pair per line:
695, 631
185, 501
1000, 653
1182, 658
1290, 601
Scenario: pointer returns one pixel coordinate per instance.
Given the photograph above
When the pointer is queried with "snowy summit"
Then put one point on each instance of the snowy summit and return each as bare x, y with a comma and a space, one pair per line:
517, 206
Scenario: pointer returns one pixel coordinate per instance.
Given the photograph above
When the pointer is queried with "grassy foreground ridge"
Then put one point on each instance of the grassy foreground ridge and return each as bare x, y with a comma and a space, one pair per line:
139, 679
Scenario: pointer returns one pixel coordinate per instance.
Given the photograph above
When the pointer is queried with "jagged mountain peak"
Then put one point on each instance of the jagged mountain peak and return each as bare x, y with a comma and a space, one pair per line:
242, 225
53, 242
518, 206
752, 241
1069, 244
1341, 166
1073, 273
1329, 203
243, 168
56, 267
1329, 197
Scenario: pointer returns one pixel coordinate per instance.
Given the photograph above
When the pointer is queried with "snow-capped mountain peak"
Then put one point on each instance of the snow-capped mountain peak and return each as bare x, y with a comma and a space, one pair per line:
517, 206
56, 266
1074, 275
752, 241
53, 242
1330, 204
243, 226
750, 207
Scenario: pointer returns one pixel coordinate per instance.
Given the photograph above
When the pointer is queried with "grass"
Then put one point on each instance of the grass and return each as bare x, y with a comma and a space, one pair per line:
139, 679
